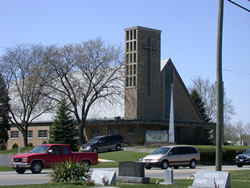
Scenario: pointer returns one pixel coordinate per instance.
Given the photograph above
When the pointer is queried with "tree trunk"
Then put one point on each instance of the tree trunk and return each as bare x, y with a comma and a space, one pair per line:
82, 132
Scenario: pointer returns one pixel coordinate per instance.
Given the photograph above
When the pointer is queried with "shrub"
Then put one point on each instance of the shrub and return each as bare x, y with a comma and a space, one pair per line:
30, 145
69, 171
15, 146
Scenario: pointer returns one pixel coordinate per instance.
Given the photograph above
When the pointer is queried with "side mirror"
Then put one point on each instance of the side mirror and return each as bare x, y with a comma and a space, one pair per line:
170, 153
50, 151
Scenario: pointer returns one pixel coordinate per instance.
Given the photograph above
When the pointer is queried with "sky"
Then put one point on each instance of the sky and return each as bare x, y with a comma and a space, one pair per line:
188, 37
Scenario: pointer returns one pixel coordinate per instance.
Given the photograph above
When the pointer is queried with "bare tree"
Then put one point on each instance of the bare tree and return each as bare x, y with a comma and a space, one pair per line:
208, 93
230, 133
84, 73
23, 71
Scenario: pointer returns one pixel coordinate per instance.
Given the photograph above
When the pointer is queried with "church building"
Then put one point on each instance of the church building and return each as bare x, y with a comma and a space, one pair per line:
150, 86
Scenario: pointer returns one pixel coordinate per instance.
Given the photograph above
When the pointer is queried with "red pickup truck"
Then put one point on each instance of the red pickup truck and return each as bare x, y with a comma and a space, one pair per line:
46, 155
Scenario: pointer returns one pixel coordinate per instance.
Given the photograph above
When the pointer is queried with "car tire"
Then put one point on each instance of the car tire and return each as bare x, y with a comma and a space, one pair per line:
148, 167
118, 147
95, 150
240, 165
20, 170
164, 164
36, 167
192, 164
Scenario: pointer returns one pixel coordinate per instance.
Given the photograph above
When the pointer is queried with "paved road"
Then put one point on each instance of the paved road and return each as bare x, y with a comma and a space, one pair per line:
12, 178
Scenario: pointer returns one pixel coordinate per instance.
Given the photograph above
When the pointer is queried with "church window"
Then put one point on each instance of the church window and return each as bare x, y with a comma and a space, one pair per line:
30, 134
14, 134
42, 133
130, 69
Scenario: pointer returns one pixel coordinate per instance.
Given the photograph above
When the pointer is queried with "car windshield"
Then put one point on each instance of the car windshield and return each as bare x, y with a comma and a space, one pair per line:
162, 150
93, 140
247, 151
40, 149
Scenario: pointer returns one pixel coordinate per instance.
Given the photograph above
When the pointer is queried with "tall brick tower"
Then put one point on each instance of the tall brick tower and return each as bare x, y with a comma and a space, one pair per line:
142, 84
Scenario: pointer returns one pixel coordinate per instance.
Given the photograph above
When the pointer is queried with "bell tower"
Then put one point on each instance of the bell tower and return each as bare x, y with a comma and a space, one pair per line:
142, 82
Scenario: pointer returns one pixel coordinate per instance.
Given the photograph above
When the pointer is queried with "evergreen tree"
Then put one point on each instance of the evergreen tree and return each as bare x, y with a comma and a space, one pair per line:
202, 109
200, 105
4, 112
62, 128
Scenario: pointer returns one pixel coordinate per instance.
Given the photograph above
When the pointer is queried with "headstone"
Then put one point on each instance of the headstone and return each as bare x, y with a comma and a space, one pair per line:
130, 168
102, 177
211, 179
168, 177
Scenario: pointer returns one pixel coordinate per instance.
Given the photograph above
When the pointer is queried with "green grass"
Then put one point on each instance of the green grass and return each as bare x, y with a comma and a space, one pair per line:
118, 156
179, 183
5, 168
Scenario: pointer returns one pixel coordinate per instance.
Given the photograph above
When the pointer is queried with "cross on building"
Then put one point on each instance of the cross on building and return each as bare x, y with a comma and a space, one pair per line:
150, 48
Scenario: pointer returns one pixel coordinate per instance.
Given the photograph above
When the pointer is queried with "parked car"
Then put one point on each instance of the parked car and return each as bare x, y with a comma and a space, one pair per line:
243, 159
172, 156
46, 155
103, 143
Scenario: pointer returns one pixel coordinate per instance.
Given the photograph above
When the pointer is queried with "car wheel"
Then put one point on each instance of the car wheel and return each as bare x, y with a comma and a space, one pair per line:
36, 167
164, 164
148, 167
240, 165
95, 150
118, 147
20, 170
192, 163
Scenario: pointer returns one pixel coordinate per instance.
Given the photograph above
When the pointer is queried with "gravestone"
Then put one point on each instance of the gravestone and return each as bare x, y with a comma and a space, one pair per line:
168, 177
211, 179
103, 177
130, 168
132, 172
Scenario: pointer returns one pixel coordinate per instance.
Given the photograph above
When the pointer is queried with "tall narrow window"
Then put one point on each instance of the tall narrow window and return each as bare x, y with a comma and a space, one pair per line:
134, 68
130, 34
127, 46
135, 34
130, 70
127, 33
134, 80
134, 57
131, 46
134, 45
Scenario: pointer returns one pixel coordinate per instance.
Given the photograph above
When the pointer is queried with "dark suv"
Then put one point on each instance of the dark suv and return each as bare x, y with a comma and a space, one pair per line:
103, 143
243, 159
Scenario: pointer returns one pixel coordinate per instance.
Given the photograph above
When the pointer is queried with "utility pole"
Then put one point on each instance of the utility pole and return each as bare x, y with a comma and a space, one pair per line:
219, 85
